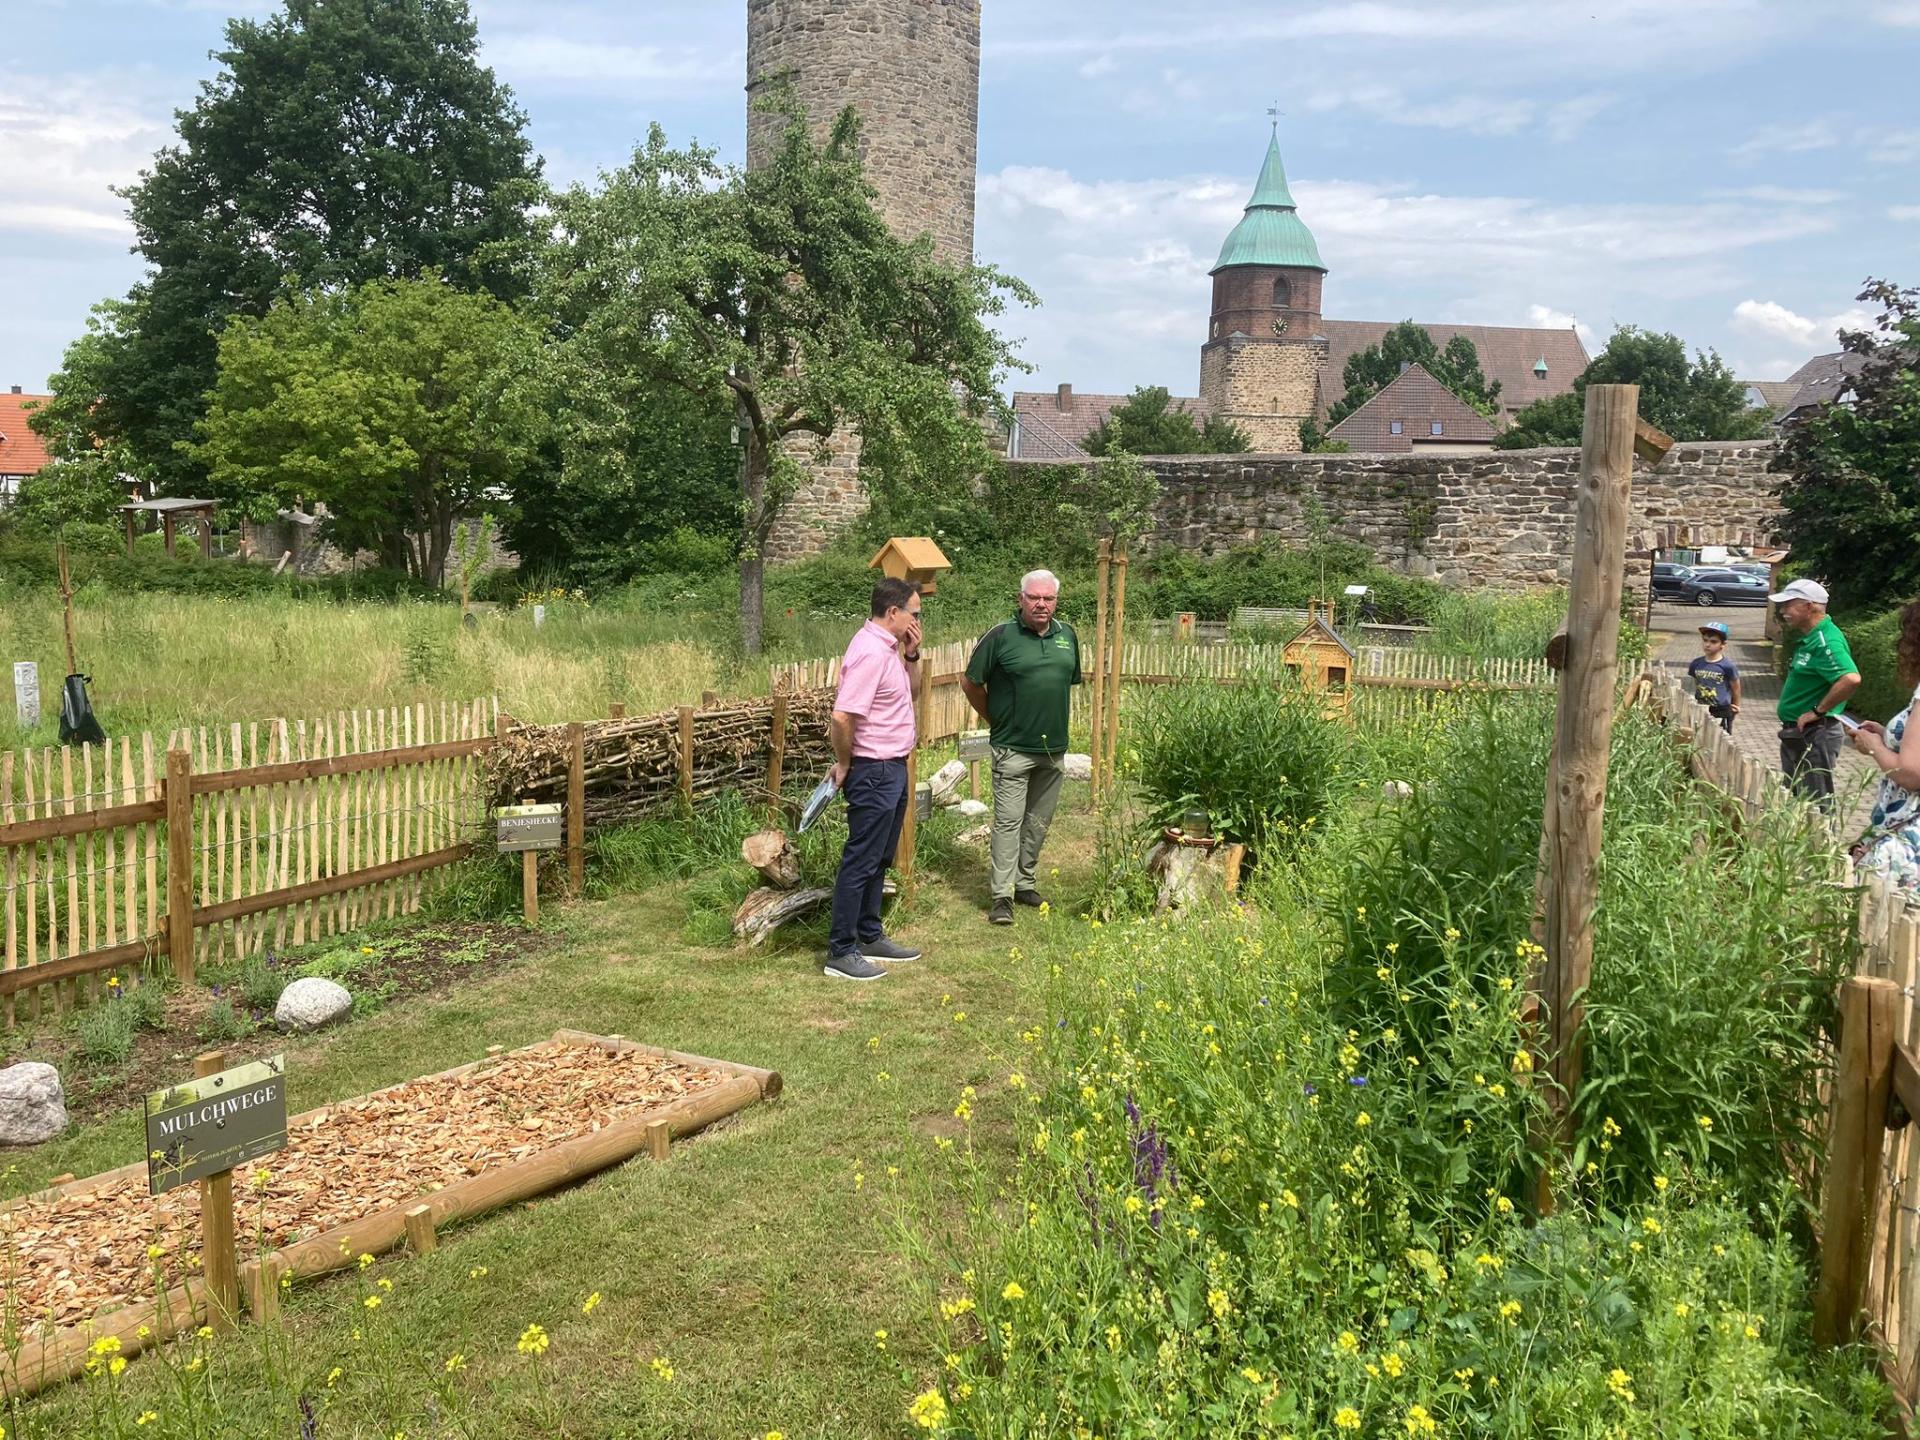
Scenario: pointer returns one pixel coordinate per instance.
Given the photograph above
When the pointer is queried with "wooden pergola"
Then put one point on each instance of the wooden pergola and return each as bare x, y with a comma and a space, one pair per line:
170, 512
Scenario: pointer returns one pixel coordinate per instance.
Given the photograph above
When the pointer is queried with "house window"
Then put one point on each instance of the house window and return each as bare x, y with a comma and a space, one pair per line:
1397, 427
1282, 293
1438, 428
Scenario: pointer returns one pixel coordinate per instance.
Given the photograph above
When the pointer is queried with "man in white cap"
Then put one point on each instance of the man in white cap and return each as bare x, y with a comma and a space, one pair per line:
1820, 676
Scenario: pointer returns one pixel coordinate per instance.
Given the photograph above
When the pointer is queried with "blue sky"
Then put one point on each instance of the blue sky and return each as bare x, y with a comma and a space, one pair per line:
1727, 169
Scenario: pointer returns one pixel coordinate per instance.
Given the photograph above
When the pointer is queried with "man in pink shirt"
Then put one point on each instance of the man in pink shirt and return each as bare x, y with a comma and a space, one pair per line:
873, 734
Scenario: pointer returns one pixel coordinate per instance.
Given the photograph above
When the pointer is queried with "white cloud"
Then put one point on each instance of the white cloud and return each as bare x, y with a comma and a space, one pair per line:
1476, 113
1098, 66
1771, 320
1910, 213
1545, 317
68, 142
1795, 139
1780, 195
1904, 14
1890, 146
529, 61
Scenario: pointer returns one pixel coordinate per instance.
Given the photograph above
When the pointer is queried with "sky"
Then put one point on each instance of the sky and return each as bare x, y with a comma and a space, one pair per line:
1729, 170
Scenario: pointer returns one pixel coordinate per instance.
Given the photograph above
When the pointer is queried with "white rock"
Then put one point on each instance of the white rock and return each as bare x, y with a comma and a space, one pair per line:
946, 782
32, 1105
1078, 767
978, 835
311, 1003
1395, 790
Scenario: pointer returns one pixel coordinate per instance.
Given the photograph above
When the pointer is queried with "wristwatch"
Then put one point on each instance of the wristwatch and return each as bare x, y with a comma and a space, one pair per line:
910, 659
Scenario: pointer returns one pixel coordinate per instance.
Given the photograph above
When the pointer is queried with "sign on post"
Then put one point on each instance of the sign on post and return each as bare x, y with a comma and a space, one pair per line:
202, 1127
26, 693
974, 745
529, 827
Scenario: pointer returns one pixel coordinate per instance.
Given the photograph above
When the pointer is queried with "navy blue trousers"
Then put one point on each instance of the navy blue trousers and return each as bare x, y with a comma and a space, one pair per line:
876, 796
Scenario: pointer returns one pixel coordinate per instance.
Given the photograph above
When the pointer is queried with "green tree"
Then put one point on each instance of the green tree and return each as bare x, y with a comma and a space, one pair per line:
1314, 441
401, 405
342, 141
1457, 367
1690, 400
1851, 499
1147, 422
781, 293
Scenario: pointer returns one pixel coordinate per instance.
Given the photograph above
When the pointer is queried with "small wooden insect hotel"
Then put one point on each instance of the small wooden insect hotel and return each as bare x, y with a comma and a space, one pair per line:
911, 557
1320, 660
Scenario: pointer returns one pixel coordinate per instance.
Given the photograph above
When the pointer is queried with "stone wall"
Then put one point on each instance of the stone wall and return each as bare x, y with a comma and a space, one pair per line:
1498, 519
1265, 387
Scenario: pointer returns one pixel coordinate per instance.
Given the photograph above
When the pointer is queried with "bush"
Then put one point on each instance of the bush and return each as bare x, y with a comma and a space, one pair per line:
1875, 644
104, 1034
147, 1003
1262, 758
223, 1022
260, 982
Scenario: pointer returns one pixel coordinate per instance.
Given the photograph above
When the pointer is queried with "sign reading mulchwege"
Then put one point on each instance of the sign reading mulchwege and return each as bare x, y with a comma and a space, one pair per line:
201, 1127
529, 827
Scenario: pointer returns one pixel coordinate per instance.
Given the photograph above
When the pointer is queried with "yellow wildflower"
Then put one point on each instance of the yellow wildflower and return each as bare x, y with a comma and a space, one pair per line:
1419, 1422
1012, 1291
534, 1340
928, 1410
1393, 1365
587, 1305
1346, 1418
456, 1362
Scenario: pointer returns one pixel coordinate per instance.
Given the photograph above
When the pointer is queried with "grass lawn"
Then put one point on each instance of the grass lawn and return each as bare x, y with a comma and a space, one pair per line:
760, 1261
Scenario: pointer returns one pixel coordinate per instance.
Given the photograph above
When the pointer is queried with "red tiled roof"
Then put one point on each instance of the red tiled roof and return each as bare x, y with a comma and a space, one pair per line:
1418, 402
1050, 430
21, 451
1508, 354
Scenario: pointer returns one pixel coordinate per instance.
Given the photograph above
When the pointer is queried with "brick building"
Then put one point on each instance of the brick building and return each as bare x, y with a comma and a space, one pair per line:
22, 453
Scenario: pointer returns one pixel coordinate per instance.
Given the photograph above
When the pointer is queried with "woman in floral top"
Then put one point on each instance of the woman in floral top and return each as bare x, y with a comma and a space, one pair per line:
1891, 845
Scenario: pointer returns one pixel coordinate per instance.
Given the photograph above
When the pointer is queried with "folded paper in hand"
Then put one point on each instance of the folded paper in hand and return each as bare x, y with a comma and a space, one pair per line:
817, 802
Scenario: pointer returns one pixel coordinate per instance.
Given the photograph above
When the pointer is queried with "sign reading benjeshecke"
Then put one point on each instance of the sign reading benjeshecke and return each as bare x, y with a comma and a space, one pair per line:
201, 1127
529, 827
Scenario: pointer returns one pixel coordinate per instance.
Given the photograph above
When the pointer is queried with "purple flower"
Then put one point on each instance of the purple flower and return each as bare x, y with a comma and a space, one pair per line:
1356, 1080
1308, 1089
309, 1420
1263, 999
1151, 1163
218, 991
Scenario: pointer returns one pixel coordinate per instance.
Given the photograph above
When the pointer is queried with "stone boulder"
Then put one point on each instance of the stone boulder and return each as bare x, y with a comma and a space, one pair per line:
971, 808
1078, 767
311, 1003
33, 1107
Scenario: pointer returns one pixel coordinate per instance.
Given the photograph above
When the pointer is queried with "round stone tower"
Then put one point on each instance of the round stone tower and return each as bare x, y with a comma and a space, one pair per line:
1260, 365
911, 68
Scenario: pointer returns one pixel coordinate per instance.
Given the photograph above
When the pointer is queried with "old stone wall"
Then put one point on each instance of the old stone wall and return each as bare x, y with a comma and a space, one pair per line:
1264, 387
1497, 519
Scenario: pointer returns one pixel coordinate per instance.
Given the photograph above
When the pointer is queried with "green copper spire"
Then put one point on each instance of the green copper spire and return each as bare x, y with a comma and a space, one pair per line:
1270, 232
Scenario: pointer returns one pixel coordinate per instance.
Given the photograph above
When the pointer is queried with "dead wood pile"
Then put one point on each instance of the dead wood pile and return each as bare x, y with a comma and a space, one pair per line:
633, 764
78, 1254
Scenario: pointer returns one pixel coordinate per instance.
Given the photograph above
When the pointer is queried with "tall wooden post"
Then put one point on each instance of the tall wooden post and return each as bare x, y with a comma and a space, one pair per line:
686, 758
217, 1259
1097, 680
910, 827
617, 710
1116, 666
576, 808
1583, 729
777, 751
1862, 1083
180, 864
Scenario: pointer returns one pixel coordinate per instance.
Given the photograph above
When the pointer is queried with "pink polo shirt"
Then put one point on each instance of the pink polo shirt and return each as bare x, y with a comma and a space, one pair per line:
874, 687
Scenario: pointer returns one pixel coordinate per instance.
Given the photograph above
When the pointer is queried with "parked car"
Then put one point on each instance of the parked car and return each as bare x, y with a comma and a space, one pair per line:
1669, 579
1753, 567
1720, 585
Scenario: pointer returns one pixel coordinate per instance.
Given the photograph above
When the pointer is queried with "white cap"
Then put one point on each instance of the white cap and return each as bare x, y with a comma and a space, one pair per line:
1802, 590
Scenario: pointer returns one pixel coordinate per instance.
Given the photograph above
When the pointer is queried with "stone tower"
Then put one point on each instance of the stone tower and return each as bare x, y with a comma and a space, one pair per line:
1260, 365
912, 70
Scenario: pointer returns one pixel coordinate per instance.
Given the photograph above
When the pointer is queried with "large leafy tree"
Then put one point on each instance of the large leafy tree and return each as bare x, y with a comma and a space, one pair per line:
780, 293
1852, 494
400, 404
1697, 399
1457, 366
1147, 422
342, 141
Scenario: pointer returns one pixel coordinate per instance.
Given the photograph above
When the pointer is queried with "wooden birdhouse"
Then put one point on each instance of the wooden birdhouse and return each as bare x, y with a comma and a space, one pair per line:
1319, 659
911, 557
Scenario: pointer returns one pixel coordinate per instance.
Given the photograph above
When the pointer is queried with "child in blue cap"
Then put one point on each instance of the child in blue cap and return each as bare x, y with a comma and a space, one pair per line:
1716, 679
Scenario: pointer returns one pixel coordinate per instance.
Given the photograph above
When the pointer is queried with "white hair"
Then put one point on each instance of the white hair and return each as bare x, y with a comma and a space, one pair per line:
1033, 575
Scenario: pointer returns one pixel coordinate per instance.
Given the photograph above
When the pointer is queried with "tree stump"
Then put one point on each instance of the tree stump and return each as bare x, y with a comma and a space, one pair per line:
771, 853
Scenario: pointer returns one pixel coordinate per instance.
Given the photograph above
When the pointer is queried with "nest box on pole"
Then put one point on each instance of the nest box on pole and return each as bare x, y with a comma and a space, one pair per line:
911, 557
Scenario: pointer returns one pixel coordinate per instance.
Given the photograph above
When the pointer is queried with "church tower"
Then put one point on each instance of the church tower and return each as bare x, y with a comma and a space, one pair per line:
912, 70
1260, 365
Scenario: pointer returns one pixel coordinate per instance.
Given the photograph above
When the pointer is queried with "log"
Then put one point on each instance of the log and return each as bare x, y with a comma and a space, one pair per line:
767, 909
771, 853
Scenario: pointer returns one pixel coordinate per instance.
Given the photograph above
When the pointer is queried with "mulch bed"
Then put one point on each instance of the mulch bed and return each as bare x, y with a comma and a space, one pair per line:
75, 1255
423, 960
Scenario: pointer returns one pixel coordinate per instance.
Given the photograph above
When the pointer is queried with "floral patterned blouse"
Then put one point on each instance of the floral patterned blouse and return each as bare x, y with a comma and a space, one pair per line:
1893, 833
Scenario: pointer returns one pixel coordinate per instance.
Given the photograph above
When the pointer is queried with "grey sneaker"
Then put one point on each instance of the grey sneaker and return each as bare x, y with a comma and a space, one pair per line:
1002, 911
886, 949
1029, 897
853, 967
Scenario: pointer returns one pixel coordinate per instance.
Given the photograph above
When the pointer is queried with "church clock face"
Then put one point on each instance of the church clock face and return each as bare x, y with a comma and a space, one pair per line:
1279, 327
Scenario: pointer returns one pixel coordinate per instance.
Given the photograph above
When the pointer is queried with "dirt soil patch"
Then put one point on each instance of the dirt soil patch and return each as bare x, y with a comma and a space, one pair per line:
77, 1254
380, 970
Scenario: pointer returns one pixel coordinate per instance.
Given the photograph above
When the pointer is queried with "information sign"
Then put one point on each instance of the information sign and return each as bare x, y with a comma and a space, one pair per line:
201, 1127
529, 827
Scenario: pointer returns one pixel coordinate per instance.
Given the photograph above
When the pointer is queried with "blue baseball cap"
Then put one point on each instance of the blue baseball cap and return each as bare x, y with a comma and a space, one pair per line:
1715, 627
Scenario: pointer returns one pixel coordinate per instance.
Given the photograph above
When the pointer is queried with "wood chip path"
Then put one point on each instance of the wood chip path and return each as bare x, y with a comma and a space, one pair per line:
79, 1254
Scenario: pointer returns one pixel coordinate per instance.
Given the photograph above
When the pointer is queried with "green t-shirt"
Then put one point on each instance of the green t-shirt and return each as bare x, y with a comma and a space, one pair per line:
1820, 658
1029, 679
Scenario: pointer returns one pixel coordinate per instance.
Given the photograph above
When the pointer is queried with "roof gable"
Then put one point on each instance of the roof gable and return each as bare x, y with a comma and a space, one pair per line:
1318, 629
22, 452
1417, 399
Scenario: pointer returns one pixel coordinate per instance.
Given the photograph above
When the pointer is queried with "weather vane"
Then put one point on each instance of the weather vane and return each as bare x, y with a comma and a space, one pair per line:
1274, 112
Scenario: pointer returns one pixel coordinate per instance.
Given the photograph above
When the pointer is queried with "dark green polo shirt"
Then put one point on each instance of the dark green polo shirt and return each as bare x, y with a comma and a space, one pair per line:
1028, 678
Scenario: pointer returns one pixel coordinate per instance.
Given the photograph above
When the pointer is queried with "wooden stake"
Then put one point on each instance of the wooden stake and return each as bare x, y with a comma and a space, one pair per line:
422, 1237
217, 1258
617, 710
910, 827
658, 1138
1583, 729
1116, 667
777, 752
530, 888
686, 758
1862, 1083
261, 1280
180, 864
576, 808
1098, 679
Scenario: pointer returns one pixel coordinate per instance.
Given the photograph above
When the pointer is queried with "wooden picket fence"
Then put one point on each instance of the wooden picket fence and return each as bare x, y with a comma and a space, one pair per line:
225, 841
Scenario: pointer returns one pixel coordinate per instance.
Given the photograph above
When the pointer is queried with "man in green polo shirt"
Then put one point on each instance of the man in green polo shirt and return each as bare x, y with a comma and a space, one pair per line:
1019, 681
1820, 676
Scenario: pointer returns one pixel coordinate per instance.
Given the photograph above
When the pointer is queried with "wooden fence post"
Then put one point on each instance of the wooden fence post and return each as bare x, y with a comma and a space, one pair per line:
617, 710
216, 1207
777, 751
576, 808
910, 827
1862, 1083
1098, 678
1583, 729
1116, 669
422, 1238
180, 864
686, 758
